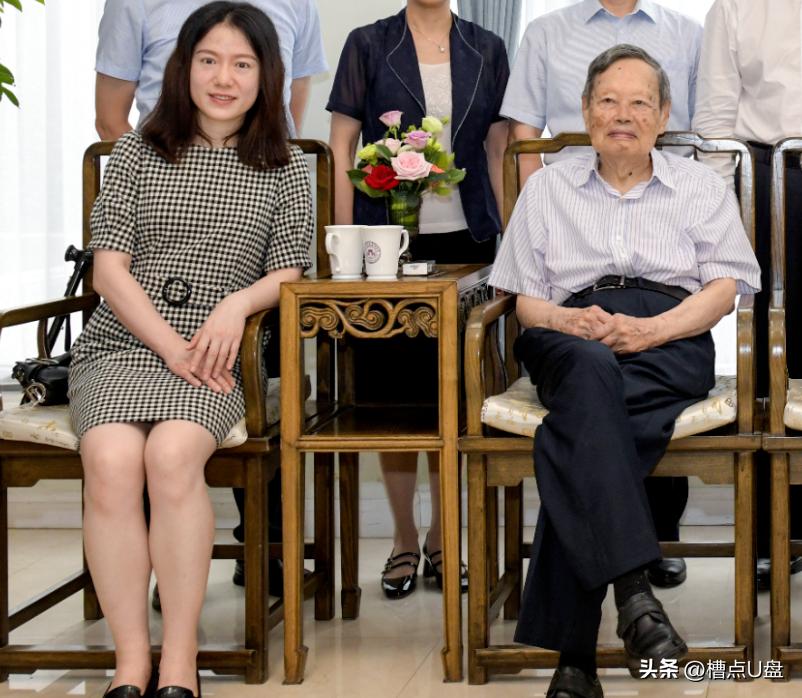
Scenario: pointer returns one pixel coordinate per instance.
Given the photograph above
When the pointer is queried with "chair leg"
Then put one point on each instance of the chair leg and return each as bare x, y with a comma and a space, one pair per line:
492, 525
324, 535
4, 623
351, 594
513, 546
256, 569
478, 550
745, 554
780, 554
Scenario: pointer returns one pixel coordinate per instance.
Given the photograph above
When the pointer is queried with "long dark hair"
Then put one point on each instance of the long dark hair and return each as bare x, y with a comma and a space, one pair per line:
173, 124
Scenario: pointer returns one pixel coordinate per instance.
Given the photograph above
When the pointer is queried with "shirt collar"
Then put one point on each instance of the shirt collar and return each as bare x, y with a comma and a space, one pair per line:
591, 8
588, 165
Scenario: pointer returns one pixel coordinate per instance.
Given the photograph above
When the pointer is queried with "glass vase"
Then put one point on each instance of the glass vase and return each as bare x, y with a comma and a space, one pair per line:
403, 208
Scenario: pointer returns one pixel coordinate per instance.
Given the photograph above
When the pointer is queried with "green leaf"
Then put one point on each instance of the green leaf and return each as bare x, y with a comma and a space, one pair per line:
384, 151
11, 96
15, 3
372, 193
5, 75
356, 176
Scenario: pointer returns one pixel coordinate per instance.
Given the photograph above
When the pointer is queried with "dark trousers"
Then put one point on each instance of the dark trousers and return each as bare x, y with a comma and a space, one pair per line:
610, 420
793, 315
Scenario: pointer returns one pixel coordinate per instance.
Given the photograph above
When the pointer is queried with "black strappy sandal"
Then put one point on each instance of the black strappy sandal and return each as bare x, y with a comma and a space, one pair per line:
399, 587
433, 567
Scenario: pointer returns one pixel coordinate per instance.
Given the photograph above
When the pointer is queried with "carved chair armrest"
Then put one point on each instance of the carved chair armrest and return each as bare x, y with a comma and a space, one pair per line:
48, 309
253, 369
745, 331
481, 321
778, 368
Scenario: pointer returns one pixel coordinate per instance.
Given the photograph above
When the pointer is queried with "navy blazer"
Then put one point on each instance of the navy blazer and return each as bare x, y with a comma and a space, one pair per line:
378, 72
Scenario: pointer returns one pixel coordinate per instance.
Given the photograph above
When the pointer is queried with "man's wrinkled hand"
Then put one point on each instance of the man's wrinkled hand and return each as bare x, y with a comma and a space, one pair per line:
587, 323
628, 335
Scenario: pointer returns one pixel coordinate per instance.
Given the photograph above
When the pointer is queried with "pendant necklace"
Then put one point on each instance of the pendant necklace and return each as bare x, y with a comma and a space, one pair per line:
440, 46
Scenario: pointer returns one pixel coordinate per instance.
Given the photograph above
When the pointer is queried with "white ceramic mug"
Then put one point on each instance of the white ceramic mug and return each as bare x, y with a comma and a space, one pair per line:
344, 245
383, 245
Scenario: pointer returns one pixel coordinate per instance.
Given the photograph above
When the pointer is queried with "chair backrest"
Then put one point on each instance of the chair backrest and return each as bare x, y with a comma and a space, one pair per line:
744, 183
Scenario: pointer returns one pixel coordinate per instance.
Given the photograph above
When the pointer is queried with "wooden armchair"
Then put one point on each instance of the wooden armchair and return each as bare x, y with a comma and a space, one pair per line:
783, 438
249, 465
497, 458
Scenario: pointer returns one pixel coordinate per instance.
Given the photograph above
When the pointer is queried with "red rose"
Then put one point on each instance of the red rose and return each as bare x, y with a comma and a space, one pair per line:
382, 178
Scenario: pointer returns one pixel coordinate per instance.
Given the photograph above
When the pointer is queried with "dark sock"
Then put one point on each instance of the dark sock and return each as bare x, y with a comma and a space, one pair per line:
629, 584
586, 662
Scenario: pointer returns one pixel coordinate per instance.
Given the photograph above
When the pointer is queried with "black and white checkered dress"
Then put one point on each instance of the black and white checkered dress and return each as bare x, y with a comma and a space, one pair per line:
212, 221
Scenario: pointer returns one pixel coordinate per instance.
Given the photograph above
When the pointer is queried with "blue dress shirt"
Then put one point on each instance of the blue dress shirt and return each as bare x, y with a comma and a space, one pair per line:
136, 37
545, 86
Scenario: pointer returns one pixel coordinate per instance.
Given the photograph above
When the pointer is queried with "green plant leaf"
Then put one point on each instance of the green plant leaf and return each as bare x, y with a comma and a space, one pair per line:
384, 151
11, 96
356, 176
5, 75
372, 193
15, 3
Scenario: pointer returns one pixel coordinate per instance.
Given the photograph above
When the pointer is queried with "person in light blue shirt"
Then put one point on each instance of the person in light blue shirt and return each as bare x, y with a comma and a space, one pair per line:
136, 37
546, 81
545, 90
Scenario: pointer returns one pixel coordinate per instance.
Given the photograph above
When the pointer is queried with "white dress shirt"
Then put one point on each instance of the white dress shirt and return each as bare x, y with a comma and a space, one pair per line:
750, 74
570, 227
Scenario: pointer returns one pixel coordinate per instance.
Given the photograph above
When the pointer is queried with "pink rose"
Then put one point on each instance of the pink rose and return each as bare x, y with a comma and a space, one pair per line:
391, 118
411, 166
417, 139
392, 144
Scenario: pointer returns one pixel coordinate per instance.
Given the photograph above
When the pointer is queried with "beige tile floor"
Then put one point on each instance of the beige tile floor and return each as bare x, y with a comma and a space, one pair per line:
392, 650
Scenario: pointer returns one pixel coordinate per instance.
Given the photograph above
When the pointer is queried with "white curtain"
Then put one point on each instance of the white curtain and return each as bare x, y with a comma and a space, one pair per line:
50, 49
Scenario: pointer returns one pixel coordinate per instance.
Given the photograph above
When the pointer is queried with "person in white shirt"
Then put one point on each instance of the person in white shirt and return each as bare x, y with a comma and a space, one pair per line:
750, 87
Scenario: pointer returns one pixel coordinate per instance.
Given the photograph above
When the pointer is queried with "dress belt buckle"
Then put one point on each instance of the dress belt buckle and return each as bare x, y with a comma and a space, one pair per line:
176, 291
609, 282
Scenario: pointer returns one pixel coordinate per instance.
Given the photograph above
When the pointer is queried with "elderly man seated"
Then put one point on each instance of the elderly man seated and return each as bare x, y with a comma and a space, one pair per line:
622, 260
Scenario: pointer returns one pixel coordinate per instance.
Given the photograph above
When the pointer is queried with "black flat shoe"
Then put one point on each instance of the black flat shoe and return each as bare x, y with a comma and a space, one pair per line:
126, 691
399, 587
668, 572
178, 691
571, 682
275, 576
763, 571
647, 632
433, 567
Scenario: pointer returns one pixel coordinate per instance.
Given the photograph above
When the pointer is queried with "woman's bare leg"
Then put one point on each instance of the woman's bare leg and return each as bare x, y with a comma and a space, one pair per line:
181, 538
116, 541
400, 472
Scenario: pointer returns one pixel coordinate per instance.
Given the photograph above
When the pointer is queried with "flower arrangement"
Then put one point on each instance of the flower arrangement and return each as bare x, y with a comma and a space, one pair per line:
412, 162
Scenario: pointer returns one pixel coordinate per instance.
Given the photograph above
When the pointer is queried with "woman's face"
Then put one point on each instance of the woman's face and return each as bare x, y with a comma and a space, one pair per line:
429, 4
223, 79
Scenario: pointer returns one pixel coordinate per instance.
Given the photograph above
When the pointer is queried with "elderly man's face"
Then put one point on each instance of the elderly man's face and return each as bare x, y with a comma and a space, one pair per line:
624, 117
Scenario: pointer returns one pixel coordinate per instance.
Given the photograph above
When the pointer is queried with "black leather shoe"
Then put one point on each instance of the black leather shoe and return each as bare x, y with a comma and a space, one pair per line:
123, 692
178, 691
433, 567
763, 571
571, 682
668, 572
647, 632
275, 573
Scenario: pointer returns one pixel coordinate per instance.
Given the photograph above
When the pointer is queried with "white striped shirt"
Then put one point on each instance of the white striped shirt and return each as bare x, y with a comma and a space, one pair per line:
569, 228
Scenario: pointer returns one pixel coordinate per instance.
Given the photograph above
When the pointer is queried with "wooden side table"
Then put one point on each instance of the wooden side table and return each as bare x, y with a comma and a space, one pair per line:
435, 306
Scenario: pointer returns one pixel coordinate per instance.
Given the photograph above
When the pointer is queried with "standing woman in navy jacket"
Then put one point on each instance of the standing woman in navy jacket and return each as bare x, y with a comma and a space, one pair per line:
422, 61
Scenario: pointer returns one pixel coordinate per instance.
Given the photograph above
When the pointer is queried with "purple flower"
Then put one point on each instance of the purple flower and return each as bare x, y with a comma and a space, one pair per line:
417, 139
391, 118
